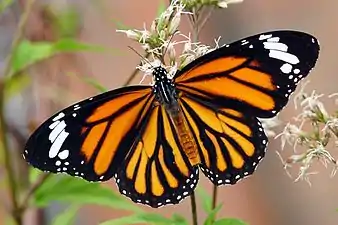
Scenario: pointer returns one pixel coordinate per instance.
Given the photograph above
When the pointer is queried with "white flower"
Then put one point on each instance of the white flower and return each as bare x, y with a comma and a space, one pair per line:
313, 104
291, 135
225, 3
174, 23
132, 34
269, 124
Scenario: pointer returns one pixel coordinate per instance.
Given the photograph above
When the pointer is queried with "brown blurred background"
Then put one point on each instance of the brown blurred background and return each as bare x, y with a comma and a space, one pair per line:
269, 197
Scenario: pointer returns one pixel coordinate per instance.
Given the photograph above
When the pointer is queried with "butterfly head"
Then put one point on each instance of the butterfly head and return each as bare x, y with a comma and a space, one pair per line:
160, 74
164, 88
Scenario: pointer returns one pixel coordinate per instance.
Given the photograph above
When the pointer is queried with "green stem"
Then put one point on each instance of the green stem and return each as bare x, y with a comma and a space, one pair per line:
3, 128
31, 191
214, 200
193, 209
214, 197
18, 36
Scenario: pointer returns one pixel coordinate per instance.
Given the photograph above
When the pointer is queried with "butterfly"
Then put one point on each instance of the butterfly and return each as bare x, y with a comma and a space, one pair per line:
154, 139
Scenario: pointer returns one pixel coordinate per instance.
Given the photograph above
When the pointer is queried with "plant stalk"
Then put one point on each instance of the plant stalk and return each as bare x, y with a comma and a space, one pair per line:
193, 209
214, 197
17, 215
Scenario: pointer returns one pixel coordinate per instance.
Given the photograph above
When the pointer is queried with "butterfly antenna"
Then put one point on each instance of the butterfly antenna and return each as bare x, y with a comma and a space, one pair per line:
142, 57
171, 38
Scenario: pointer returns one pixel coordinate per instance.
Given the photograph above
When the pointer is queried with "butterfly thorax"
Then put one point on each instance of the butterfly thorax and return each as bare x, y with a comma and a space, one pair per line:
166, 94
165, 91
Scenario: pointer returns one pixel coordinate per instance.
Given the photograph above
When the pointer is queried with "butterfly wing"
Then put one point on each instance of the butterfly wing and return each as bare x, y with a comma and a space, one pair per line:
230, 142
256, 75
157, 171
223, 92
90, 139
123, 133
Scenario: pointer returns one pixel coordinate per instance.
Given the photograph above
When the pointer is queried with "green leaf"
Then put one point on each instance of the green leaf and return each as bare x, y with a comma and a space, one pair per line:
76, 190
72, 45
9, 220
29, 53
95, 84
206, 199
91, 81
67, 22
34, 174
230, 221
161, 8
1, 154
15, 84
4, 4
211, 217
140, 218
179, 220
67, 217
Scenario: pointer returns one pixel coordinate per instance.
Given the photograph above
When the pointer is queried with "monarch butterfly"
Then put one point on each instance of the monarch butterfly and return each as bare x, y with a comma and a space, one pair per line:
154, 139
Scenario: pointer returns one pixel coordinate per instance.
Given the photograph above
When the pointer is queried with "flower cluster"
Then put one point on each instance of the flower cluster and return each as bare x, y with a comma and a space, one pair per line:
156, 40
161, 41
316, 140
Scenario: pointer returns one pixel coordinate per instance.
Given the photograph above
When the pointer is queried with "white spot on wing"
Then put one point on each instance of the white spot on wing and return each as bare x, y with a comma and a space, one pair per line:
274, 39
64, 154
55, 148
53, 125
244, 42
275, 46
264, 36
59, 116
57, 130
284, 56
286, 68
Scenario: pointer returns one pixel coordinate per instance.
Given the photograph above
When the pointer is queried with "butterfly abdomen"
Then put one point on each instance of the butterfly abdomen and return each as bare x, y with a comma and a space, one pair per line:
186, 138
166, 94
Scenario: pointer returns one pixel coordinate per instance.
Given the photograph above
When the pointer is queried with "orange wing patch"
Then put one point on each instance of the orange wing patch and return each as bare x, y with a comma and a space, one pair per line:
235, 78
89, 144
215, 66
111, 107
255, 77
230, 143
156, 185
158, 171
140, 182
226, 87
118, 128
108, 126
232, 112
171, 179
236, 159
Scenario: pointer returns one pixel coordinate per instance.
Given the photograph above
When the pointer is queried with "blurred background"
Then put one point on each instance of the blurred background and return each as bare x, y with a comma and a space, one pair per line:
269, 197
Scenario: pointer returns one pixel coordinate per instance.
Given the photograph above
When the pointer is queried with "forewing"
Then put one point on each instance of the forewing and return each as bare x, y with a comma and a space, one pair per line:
255, 75
90, 139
